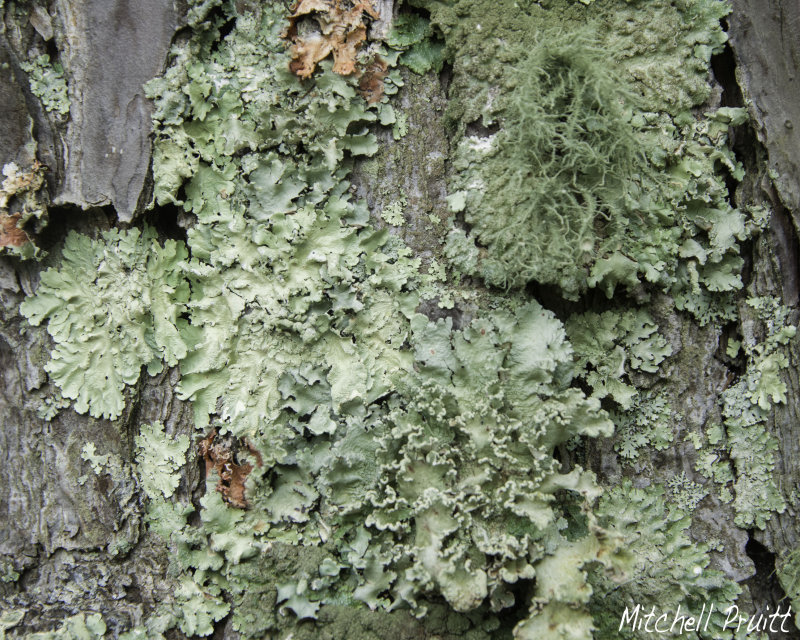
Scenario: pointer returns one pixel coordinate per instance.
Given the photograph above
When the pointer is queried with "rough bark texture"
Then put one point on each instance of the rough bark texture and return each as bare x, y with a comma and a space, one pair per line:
71, 540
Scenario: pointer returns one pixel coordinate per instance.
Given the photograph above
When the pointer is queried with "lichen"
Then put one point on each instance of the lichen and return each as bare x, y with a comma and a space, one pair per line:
77, 627
646, 425
670, 569
787, 568
159, 459
739, 454
48, 83
610, 345
340, 30
8, 619
363, 461
422, 50
746, 408
112, 306
590, 170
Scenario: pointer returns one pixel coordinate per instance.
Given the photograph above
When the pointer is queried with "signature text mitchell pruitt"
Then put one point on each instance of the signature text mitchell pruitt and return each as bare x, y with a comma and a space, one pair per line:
668, 623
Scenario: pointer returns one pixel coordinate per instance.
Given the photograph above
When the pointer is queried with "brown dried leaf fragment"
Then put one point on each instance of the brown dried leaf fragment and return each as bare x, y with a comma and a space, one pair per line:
18, 192
220, 457
10, 234
370, 84
318, 28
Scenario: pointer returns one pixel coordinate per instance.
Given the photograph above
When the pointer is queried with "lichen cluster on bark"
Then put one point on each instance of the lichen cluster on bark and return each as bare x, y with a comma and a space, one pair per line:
433, 319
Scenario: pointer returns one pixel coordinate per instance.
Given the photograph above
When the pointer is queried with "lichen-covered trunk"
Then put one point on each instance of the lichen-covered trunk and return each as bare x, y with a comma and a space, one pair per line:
424, 319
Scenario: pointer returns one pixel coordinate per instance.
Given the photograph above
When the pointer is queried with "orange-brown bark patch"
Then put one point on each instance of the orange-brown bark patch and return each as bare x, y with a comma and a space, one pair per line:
220, 457
10, 234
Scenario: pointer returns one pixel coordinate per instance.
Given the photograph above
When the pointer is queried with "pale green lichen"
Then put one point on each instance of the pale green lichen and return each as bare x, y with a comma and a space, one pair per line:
48, 83
393, 212
610, 345
739, 455
746, 408
97, 461
787, 568
77, 627
159, 459
400, 463
8, 619
670, 569
592, 172
685, 493
111, 307
450, 491
421, 50
712, 460
646, 425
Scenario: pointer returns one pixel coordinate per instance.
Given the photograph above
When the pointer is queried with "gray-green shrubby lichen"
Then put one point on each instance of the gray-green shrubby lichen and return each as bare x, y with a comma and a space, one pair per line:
590, 174
48, 83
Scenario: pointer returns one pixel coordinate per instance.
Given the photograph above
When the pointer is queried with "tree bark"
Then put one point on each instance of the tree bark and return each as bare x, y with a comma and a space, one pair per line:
73, 541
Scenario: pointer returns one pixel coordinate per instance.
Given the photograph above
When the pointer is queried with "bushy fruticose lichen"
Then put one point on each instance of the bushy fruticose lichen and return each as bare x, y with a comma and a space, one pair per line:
572, 166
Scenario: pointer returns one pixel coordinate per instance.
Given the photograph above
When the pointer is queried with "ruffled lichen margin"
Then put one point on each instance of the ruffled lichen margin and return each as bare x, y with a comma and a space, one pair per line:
401, 464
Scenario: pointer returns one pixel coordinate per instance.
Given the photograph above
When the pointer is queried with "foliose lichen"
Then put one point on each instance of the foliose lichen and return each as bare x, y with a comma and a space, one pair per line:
77, 627
159, 460
671, 570
739, 454
48, 83
395, 463
112, 306
610, 345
